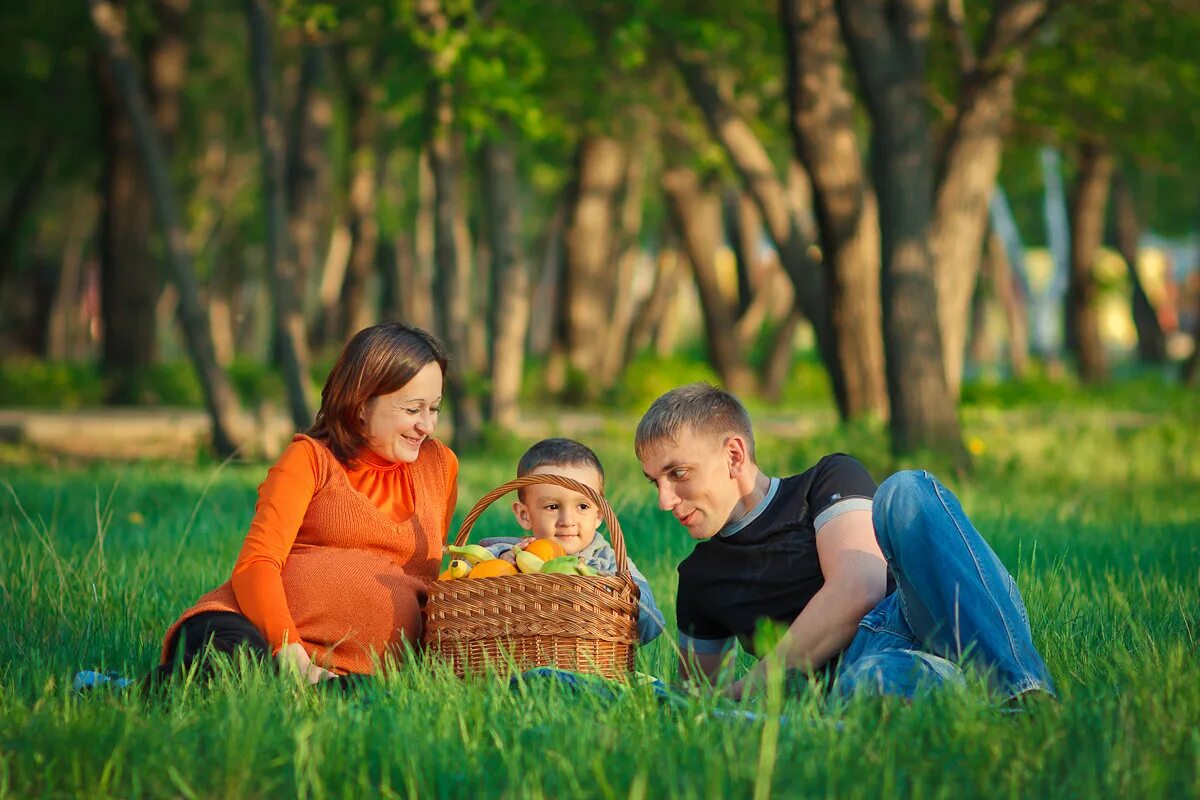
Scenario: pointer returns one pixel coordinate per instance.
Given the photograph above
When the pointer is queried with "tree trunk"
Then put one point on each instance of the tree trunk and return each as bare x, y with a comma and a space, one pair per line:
219, 397
452, 279
697, 215
587, 274
888, 49
629, 250
969, 164
545, 327
510, 281
822, 119
650, 310
778, 365
290, 335
130, 280
1152, 342
22, 201
1009, 295
63, 334
740, 219
423, 309
358, 68
841, 300
1048, 305
307, 130
1088, 203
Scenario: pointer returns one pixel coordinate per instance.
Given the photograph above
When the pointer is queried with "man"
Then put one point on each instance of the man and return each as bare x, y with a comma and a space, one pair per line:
895, 580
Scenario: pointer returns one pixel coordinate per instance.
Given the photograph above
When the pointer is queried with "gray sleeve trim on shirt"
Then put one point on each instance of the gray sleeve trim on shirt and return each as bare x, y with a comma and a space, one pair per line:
841, 507
705, 646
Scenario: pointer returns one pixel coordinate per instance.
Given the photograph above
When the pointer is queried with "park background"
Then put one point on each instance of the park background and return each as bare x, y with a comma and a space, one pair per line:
959, 235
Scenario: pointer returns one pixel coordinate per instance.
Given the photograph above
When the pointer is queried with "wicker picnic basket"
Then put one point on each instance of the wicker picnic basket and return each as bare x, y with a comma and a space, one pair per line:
583, 624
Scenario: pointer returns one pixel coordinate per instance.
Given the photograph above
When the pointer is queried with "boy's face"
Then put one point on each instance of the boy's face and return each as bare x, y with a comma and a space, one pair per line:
695, 477
552, 512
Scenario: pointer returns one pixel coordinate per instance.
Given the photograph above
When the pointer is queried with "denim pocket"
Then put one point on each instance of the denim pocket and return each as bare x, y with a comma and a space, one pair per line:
887, 618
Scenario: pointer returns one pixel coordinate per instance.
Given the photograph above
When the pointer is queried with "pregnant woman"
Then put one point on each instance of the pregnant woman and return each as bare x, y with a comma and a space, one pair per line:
349, 524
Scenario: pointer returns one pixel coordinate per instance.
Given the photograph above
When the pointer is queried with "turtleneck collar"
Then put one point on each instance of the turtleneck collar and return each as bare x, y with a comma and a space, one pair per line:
369, 458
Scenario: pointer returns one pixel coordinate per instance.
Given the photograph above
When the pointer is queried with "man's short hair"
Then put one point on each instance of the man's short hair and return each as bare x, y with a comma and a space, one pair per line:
560, 452
698, 407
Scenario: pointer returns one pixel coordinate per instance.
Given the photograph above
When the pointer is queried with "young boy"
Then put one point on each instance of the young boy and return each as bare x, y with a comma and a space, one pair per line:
570, 518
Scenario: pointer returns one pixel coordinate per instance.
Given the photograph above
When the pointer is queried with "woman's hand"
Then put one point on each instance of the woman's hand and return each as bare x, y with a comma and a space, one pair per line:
295, 658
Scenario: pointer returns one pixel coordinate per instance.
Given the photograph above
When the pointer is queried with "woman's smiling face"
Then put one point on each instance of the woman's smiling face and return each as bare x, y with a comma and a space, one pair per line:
399, 422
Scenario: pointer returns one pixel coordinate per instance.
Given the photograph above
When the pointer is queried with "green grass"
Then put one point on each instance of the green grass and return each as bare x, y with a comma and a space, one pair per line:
1095, 507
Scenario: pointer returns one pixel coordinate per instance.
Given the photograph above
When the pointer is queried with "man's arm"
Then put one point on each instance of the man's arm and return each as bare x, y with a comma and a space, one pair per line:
855, 581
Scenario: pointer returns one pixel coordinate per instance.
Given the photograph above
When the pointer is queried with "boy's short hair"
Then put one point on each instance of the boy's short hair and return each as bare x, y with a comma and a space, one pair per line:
559, 452
699, 407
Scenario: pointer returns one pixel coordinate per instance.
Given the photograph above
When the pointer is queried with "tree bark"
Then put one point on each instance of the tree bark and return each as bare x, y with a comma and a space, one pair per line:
1087, 208
510, 281
779, 357
628, 251
308, 126
1009, 295
840, 299
220, 400
283, 277
421, 307
697, 215
20, 203
587, 276
968, 166
1152, 342
888, 47
452, 279
359, 69
130, 280
651, 310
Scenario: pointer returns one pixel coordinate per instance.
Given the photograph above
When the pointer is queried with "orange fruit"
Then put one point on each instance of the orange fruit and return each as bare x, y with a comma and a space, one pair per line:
445, 575
545, 549
494, 568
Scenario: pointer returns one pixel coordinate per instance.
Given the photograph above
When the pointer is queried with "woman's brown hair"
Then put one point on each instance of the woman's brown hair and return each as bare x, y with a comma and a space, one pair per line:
378, 360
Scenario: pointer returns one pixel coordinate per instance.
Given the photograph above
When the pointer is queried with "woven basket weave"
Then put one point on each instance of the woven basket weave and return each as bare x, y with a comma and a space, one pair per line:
583, 624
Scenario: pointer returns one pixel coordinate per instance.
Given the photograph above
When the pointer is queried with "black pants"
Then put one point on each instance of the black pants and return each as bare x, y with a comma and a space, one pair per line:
212, 634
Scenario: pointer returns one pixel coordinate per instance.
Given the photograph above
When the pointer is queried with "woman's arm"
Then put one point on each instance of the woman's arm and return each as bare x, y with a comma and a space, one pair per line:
283, 500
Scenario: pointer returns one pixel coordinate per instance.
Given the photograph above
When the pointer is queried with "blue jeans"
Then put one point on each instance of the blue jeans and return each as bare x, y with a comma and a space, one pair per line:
954, 603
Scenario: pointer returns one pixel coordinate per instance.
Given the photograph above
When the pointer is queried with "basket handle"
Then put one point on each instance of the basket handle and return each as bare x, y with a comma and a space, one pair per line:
610, 518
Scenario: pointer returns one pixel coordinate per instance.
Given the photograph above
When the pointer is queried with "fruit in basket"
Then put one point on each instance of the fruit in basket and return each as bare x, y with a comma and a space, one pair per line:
492, 569
458, 569
527, 562
583, 568
563, 565
545, 549
473, 553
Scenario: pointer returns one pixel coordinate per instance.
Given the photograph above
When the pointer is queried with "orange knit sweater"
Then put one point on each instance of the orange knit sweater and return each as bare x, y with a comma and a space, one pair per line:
336, 558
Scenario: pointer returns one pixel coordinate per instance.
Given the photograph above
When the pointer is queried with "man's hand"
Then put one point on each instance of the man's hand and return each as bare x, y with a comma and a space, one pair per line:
294, 658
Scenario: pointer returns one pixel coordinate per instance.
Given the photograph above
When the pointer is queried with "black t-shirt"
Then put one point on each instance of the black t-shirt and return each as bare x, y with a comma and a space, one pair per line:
768, 569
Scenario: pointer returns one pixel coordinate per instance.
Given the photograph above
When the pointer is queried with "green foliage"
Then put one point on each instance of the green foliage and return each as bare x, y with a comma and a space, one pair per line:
1096, 520
49, 384
647, 377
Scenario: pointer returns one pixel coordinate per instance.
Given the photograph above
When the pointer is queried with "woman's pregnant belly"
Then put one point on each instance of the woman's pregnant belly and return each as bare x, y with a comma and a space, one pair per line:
352, 603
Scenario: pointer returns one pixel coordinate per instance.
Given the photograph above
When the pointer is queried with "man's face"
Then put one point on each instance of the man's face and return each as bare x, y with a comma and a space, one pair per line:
694, 480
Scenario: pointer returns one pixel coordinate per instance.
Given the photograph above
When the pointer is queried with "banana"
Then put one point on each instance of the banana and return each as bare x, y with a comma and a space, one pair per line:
473, 553
583, 569
563, 565
459, 568
528, 562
